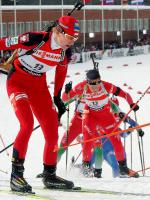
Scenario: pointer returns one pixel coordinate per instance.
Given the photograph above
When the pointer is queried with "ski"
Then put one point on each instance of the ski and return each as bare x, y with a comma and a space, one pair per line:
31, 195
75, 189
110, 192
98, 191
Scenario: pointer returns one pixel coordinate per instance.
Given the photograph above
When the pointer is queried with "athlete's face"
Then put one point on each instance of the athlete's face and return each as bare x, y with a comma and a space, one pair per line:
94, 85
65, 41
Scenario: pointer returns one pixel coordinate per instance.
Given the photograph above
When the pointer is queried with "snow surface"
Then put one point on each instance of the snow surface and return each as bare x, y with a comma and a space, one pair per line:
136, 75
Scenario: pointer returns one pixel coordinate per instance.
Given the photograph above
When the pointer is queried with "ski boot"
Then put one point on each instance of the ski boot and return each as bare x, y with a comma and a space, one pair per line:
98, 173
51, 181
86, 170
125, 171
17, 181
39, 175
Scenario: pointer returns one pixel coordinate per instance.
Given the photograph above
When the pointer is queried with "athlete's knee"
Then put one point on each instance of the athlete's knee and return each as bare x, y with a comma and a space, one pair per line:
26, 126
51, 144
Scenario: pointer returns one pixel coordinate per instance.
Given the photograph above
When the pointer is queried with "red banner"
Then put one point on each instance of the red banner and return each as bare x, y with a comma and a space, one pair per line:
124, 2
86, 1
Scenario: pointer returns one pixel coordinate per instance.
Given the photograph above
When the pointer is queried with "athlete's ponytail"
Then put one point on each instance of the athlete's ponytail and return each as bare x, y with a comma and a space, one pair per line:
50, 26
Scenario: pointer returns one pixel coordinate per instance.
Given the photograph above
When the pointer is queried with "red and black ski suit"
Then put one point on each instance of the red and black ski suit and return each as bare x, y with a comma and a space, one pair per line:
98, 117
28, 91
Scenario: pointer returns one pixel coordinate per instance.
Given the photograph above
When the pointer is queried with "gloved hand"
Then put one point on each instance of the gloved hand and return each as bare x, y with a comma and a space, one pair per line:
136, 108
69, 54
60, 106
68, 87
121, 115
140, 132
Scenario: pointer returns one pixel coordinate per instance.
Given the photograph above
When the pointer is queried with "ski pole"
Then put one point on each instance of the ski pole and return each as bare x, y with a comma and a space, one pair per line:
142, 169
131, 142
68, 88
125, 116
106, 135
124, 139
4, 145
76, 159
67, 134
131, 108
140, 149
118, 132
5, 172
13, 142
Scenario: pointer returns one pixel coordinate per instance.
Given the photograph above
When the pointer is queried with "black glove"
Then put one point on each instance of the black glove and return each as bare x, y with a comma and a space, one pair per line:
140, 132
69, 54
60, 106
136, 108
121, 115
68, 87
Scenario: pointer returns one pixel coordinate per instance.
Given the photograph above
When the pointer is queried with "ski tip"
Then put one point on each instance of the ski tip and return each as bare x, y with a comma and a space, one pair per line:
30, 192
76, 188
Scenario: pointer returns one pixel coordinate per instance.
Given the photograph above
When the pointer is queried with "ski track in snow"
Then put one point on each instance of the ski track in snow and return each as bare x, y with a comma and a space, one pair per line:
134, 75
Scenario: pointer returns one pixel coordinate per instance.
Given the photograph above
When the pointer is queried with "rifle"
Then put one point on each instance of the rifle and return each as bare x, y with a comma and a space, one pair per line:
93, 56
